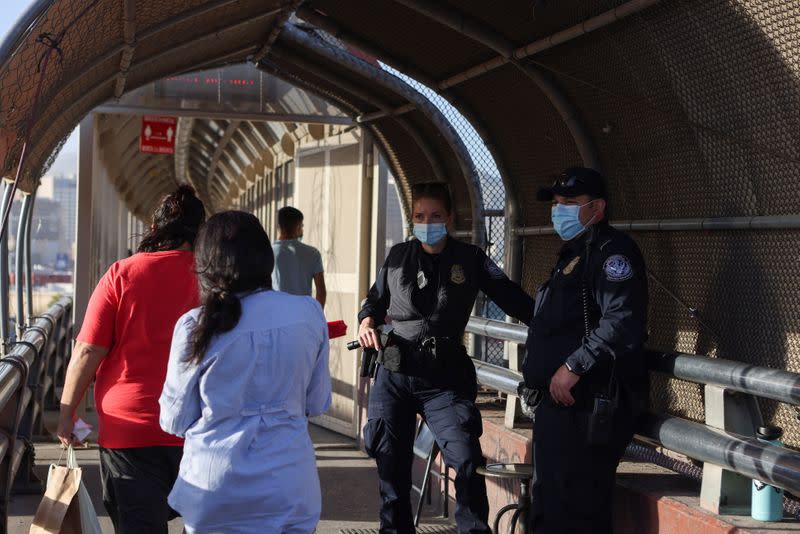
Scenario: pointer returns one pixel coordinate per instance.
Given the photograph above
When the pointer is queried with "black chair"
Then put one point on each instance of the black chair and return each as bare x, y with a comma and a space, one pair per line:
425, 446
523, 473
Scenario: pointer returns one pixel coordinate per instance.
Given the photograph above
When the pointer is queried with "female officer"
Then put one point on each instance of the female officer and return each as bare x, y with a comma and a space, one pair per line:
428, 288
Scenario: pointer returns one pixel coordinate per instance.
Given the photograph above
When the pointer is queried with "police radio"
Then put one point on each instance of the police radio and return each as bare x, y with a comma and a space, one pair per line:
600, 427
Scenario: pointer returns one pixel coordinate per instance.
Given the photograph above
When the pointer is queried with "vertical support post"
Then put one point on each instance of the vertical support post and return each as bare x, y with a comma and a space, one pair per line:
723, 491
20, 263
83, 226
5, 318
513, 353
379, 193
122, 229
369, 212
29, 261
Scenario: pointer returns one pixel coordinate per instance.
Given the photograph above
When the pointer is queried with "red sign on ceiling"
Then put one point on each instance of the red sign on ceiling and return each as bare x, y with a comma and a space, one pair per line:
158, 134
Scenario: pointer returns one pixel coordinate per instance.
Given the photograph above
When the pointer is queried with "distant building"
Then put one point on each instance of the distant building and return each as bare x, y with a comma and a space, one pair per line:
46, 231
54, 220
62, 189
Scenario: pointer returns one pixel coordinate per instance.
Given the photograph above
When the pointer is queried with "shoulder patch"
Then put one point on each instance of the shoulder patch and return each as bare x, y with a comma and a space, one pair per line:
618, 268
492, 268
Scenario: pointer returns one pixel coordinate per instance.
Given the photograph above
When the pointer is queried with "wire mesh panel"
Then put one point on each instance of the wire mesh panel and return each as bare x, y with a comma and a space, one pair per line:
494, 200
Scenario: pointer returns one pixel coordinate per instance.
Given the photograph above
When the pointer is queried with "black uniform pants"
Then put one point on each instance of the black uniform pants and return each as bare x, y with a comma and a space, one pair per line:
573, 489
394, 401
136, 483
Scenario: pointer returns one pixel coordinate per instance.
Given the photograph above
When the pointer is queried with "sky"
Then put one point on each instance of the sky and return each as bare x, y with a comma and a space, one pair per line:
10, 11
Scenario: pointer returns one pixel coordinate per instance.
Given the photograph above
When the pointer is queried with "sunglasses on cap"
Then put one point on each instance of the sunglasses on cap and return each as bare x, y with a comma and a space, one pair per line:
565, 181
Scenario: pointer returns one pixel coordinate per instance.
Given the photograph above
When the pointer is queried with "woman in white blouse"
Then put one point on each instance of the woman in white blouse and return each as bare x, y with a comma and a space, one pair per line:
246, 370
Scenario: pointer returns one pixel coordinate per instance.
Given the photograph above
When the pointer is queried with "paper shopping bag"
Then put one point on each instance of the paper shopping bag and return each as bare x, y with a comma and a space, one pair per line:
66, 507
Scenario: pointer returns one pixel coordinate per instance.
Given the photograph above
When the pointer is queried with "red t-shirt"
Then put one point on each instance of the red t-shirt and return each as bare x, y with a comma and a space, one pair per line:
133, 311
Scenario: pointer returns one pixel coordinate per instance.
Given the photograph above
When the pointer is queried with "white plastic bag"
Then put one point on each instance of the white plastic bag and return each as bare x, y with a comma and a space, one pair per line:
66, 506
89, 522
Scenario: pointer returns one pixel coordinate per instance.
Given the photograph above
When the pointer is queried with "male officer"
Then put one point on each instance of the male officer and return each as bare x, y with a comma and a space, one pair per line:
428, 287
584, 354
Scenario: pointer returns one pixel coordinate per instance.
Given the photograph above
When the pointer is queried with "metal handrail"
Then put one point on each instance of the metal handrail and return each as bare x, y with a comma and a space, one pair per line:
747, 456
776, 384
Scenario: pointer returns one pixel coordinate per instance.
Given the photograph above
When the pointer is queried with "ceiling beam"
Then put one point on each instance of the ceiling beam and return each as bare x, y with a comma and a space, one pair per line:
129, 37
124, 109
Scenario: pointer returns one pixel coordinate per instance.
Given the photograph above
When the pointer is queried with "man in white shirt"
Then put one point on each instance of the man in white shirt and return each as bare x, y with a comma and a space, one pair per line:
296, 264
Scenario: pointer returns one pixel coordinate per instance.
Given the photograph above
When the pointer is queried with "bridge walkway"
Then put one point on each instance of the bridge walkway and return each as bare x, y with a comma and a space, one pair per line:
347, 476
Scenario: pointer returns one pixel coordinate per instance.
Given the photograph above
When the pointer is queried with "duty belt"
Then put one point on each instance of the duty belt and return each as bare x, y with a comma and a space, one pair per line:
427, 357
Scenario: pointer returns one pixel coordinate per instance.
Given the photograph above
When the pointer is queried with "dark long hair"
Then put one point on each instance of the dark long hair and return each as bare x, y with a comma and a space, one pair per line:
233, 255
176, 221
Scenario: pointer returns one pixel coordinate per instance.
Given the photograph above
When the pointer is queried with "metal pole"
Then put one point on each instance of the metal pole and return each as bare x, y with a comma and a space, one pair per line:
498, 378
750, 457
515, 333
227, 115
777, 384
20, 262
29, 260
4, 290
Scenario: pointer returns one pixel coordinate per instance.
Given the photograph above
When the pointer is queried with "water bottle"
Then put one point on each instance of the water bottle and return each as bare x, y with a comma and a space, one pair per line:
767, 502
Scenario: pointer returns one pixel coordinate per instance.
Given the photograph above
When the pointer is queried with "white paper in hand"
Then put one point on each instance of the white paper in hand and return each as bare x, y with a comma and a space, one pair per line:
81, 430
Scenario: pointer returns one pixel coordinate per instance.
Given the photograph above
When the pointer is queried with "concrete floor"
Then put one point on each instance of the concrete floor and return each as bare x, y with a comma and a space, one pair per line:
348, 479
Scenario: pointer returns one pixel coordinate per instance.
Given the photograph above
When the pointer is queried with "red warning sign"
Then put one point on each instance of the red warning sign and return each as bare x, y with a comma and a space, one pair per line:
158, 134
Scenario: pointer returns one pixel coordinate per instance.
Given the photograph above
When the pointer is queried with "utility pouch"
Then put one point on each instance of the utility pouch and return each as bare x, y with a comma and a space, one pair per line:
391, 358
369, 363
600, 427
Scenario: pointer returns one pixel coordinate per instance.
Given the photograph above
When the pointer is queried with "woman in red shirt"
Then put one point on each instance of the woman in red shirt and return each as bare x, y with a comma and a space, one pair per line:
124, 343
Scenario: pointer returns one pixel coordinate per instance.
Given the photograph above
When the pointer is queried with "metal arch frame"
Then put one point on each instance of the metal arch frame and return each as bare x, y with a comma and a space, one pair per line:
29, 261
241, 54
142, 191
183, 135
513, 242
218, 162
21, 28
5, 317
226, 174
479, 33
361, 94
397, 86
20, 256
129, 33
240, 141
348, 107
266, 134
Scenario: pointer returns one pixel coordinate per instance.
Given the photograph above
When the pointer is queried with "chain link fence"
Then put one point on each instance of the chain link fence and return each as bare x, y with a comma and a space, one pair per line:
494, 202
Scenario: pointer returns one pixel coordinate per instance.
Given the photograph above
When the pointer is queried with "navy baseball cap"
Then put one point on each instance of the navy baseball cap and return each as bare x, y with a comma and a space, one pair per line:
574, 182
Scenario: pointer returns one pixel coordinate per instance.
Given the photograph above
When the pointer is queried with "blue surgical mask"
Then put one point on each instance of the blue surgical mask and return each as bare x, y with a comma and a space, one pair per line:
566, 220
430, 234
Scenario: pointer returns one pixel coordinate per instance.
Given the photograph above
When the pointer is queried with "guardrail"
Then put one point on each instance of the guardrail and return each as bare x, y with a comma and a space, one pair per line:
29, 373
727, 440
13, 377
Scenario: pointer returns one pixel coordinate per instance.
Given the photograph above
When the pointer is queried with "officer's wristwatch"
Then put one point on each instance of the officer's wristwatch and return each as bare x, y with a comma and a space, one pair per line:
574, 370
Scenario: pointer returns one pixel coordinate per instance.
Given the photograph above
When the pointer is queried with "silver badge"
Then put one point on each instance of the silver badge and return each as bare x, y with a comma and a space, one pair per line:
421, 280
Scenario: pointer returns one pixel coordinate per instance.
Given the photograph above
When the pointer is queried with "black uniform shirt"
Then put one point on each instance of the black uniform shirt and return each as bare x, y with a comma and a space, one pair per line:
609, 265
456, 276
